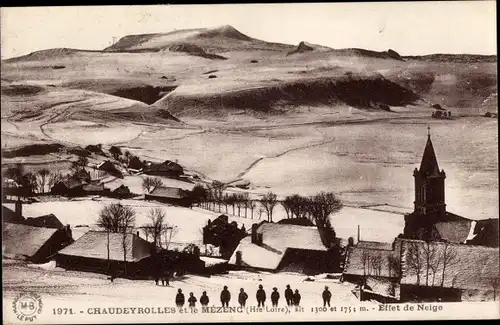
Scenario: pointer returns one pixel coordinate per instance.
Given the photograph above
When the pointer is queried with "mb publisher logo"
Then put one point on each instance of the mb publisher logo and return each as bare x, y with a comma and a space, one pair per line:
27, 306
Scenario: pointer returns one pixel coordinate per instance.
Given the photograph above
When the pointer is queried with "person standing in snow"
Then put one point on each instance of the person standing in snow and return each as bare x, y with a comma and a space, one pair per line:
261, 296
204, 300
225, 297
296, 298
192, 300
275, 297
289, 295
327, 295
242, 297
179, 298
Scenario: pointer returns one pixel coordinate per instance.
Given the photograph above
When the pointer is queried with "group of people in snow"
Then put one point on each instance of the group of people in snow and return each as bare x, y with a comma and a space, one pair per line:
292, 298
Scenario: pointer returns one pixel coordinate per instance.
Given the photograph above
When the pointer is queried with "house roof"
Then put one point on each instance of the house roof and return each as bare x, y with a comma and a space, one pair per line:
169, 192
485, 232
166, 166
71, 183
94, 187
276, 239
364, 261
374, 245
9, 215
48, 221
454, 231
94, 244
122, 189
21, 241
472, 267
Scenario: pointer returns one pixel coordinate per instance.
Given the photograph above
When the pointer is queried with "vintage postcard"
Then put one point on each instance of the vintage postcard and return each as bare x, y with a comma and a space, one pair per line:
240, 163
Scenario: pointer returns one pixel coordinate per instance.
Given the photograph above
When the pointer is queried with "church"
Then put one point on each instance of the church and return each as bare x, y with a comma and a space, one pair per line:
430, 221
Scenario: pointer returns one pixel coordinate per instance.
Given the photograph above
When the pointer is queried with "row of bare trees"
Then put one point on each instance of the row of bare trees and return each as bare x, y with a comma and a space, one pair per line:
215, 199
317, 208
373, 262
40, 181
425, 259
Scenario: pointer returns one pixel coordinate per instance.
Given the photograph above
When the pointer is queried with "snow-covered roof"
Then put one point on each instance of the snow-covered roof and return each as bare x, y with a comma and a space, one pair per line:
276, 239
94, 244
364, 260
24, 241
467, 266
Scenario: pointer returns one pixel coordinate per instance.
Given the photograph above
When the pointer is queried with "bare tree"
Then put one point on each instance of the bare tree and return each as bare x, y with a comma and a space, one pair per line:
199, 194
251, 205
449, 258
217, 192
365, 261
288, 205
29, 183
231, 200
394, 265
268, 202
54, 178
245, 198
117, 218
156, 217
149, 184
429, 254
42, 178
127, 223
414, 259
376, 264
240, 203
322, 205
169, 232
494, 282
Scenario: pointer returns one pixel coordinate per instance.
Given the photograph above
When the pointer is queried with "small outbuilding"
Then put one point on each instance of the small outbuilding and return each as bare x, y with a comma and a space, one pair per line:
170, 195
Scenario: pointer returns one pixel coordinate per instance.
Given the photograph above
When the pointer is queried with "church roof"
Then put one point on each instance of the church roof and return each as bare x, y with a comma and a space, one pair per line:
429, 164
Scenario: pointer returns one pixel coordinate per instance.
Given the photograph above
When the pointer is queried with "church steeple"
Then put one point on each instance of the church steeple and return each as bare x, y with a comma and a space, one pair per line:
429, 185
429, 164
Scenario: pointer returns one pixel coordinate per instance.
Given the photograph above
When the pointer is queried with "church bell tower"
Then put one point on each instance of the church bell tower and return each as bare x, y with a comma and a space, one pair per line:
429, 186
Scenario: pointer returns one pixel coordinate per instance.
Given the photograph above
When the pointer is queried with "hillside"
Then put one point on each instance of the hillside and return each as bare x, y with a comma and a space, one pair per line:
210, 72
215, 40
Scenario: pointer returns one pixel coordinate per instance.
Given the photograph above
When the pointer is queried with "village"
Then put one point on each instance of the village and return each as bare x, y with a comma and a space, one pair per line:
125, 219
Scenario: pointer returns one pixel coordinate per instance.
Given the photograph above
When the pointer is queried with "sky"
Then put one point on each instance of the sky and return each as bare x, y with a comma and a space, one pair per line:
408, 28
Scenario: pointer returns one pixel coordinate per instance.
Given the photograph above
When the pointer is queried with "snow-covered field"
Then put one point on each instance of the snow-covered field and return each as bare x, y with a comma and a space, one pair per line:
374, 225
86, 212
82, 286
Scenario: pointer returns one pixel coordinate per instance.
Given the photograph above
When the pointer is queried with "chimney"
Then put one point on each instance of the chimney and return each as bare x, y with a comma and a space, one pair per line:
254, 233
238, 258
138, 233
19, 207
260, 239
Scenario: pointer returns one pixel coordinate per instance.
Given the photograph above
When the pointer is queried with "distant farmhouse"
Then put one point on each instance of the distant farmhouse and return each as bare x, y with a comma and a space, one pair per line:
69, 187
281, 247
440, 256
167, 169
110, 168
170, 195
